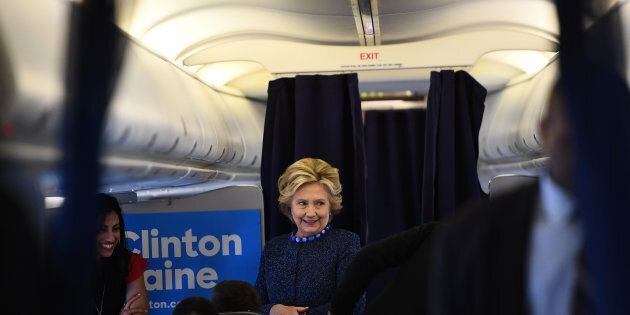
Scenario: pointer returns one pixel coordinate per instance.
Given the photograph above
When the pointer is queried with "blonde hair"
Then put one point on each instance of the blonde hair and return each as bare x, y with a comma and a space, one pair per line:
306, 171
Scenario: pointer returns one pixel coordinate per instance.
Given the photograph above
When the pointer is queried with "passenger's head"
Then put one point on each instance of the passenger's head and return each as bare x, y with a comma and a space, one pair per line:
236, 296
110, 226
194, 305
310, 195
558, 139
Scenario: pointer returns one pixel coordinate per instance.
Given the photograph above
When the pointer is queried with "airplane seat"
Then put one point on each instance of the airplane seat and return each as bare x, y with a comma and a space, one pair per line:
508, 182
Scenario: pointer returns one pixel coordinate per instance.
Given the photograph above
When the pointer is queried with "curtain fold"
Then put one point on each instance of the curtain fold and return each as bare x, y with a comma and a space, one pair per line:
455, 108
314, 116
394, 141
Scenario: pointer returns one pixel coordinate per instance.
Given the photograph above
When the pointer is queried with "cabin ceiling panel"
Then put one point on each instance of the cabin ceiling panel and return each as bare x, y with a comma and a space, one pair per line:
411, 25
287, 37
493, 75
177, 37
137, 16
449, 51
173, 30
253, 84
405, 6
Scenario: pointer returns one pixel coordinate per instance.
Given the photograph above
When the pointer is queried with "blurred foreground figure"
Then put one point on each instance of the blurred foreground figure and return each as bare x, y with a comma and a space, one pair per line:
522, 252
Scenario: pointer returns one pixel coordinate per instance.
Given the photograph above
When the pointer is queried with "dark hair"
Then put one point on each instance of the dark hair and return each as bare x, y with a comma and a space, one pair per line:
194, 305
110, 272
107, 204
236, 296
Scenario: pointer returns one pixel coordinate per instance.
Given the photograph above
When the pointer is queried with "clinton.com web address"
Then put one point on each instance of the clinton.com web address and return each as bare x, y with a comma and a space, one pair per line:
162, 305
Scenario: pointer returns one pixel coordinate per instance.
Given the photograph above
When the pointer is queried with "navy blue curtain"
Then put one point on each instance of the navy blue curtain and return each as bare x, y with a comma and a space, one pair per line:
94, 56
599, 104
394, 141
455, 108
314, 116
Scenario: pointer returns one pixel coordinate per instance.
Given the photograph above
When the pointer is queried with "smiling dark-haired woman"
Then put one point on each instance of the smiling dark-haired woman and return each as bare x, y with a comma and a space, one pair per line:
299, 272
118, 278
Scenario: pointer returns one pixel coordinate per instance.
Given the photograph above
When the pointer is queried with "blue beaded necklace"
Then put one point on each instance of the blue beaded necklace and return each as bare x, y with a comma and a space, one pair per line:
309, 238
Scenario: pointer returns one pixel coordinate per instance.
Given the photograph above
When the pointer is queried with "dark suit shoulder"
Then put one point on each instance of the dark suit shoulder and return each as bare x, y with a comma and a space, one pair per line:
506, 207
409, 239
480, 264
490, 227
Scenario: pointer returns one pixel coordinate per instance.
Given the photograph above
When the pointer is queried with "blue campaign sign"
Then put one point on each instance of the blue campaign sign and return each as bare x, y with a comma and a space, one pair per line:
190, 252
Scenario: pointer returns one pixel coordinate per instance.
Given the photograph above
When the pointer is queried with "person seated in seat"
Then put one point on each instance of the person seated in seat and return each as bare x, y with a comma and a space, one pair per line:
520, 253
118, 273
236, 297
194, 305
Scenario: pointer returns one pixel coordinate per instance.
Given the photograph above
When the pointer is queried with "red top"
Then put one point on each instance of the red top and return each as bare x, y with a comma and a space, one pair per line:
137, 264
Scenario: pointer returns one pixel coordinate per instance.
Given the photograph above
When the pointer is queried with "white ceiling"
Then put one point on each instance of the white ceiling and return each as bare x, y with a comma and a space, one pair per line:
241, 45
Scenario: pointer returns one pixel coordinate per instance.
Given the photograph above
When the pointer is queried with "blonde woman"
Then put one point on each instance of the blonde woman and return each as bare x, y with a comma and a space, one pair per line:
299, 272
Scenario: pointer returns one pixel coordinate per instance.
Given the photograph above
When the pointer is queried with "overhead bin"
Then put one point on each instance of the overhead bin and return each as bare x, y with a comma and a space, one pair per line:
202, 125
245, 125
509, 130
528, 141
159, 110
509, 138
164, 127
164, 114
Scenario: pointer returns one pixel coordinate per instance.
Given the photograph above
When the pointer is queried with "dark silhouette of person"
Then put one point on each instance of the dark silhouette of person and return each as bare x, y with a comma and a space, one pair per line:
230, 296
195, 305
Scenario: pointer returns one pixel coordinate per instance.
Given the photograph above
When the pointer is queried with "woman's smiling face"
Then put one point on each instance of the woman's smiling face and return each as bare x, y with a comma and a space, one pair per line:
108, 235
310, 209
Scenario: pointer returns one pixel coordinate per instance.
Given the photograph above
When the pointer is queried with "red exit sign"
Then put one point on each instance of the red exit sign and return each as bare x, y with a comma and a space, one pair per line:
368, 56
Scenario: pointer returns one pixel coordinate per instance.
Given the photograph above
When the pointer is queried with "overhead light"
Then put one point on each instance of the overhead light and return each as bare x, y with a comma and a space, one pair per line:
390, 95
222, 73
393, 105
53, 202
528, 61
